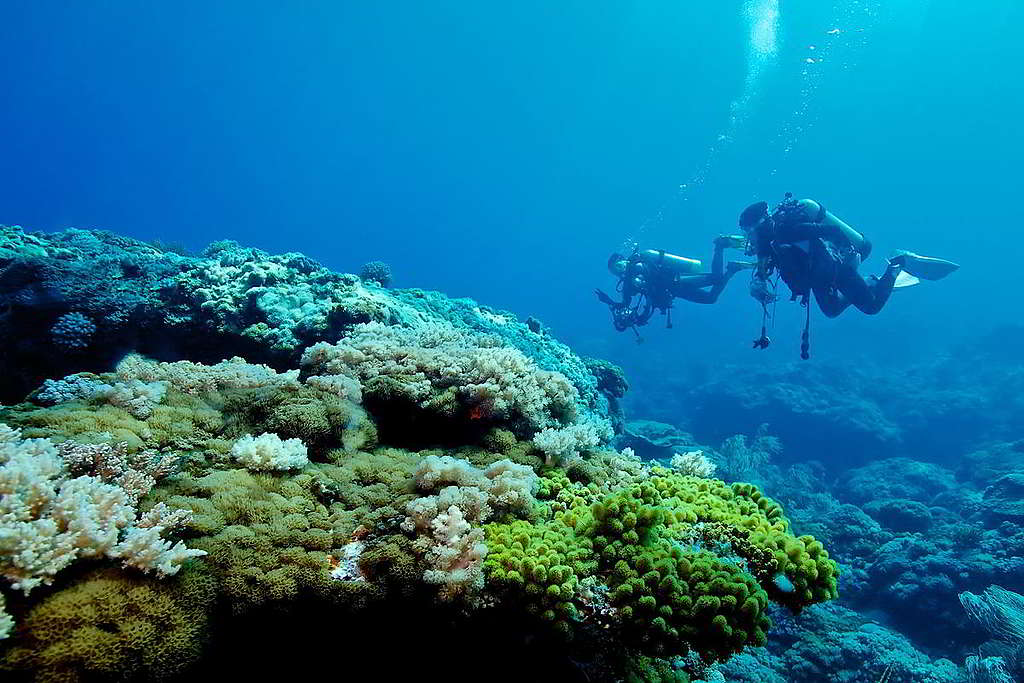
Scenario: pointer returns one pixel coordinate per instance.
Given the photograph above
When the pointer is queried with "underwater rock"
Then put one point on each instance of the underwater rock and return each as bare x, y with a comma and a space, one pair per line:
655, 440
982, 466
831, 643
900, 514
1004, 499
896, 478
807, 407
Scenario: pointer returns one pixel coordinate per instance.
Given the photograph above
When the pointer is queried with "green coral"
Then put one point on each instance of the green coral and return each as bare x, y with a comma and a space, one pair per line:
539, 566
180, 422
689, 564
115, 625
666, 593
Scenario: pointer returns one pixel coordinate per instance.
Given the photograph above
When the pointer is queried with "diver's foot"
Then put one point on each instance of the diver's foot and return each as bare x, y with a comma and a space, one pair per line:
731, 241
734, 267
896, 264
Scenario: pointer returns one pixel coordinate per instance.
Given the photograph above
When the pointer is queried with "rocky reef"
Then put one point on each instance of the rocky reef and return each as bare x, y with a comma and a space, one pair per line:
244, 464
913, 476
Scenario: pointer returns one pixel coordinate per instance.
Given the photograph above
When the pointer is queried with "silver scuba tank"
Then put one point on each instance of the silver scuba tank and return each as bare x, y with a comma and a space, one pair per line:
677, 265
816, 213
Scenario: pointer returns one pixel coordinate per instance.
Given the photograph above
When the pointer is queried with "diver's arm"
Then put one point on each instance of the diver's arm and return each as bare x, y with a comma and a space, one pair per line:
643, 316
607, 300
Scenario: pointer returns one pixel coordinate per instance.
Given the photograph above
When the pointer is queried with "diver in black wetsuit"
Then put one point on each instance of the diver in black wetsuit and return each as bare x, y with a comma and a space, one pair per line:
651, 279
814, 251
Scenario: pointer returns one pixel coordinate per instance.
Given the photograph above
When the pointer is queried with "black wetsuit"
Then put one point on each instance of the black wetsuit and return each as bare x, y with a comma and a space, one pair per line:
813, 255
660, 286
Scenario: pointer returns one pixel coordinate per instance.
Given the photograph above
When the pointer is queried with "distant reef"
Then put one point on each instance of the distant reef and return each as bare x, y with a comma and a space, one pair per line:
245, 465
936, 409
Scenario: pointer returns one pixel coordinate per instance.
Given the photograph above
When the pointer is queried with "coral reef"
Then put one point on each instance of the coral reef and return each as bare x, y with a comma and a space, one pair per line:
229, 301
284, 441
49, 519
835, 644
604, 548
376, 271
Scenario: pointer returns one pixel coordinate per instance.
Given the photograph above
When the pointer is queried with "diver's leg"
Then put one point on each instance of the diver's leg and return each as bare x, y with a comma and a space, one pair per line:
717, 283
868, 297
718, 259
823, 266
684, 283
699, 296
830, 300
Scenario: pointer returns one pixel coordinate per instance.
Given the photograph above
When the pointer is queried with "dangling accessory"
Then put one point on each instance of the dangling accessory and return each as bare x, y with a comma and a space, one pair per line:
764, 340
805, 338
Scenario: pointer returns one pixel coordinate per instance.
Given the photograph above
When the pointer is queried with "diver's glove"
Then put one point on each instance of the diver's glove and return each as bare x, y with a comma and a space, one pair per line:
604, 298
731, 241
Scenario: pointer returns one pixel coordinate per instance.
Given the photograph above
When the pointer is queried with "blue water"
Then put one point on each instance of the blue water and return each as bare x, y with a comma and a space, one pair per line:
501, 152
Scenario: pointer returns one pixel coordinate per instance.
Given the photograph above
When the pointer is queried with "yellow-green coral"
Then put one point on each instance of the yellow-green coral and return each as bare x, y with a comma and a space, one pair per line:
268, 538
760, 534
688, 563
181, 422
539, 566
114, 625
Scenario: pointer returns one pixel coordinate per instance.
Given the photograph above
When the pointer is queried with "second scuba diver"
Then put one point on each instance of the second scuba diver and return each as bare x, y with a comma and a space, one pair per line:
651, 279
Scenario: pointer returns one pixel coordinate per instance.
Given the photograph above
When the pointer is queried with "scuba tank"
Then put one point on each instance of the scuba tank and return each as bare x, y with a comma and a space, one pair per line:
810, 211
676, 265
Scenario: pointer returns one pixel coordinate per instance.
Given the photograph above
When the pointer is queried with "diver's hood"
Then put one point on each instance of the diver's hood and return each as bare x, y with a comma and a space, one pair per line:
753, 214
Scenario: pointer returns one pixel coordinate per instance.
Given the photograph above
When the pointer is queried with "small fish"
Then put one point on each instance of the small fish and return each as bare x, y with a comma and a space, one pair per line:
833, 32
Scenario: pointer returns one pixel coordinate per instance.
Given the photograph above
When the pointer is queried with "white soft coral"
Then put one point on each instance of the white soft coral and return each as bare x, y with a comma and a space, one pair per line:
268, 452
48, 519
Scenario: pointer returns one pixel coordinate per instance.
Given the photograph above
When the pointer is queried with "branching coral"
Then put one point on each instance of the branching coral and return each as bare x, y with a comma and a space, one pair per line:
136, 473
6, 620
693, 464
563, 444
196, 378
49, 519
442, 369
444, 523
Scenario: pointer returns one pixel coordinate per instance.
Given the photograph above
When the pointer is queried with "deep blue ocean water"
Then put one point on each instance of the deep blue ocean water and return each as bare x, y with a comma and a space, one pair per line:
501, 152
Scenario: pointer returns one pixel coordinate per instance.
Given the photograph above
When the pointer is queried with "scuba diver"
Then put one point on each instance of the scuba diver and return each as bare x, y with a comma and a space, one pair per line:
813, 251
651, 279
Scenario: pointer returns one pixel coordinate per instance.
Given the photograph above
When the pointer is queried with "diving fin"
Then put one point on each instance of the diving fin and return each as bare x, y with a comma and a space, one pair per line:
905, 279
925, 267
